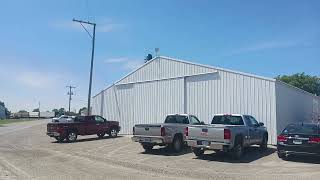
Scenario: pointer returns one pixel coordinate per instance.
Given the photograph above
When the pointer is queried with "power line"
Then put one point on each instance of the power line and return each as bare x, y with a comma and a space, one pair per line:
70, 93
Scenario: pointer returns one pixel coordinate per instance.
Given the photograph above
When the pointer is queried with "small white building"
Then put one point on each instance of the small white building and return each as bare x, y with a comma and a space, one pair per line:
165, 85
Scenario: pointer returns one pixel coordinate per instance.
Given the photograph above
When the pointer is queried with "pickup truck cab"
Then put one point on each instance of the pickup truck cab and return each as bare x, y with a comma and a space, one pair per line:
228, 133
170, 133
82, 125
63, 118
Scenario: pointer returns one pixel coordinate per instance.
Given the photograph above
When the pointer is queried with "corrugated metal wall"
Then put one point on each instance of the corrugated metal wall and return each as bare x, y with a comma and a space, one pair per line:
96, 104
227, 92
295, 106
162, 68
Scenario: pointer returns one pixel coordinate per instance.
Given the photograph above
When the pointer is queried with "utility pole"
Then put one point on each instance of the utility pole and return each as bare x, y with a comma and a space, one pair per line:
92, 56
39, 111
70, 93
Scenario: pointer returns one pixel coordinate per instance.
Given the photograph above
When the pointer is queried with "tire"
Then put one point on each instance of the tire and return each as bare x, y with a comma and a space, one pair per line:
113, 133
198, 151
264, 143
237, 150
282, 156
147, 147
177, 144
72, 136
101, 135
59, 139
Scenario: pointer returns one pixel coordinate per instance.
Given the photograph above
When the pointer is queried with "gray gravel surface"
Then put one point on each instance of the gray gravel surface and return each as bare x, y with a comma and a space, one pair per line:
27, 153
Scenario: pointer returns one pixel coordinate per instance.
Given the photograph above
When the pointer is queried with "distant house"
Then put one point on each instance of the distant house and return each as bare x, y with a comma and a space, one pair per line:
2, 112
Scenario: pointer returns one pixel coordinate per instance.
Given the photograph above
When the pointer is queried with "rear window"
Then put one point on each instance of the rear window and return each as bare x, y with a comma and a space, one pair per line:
301, 129
79, 119
177, 119
228, 120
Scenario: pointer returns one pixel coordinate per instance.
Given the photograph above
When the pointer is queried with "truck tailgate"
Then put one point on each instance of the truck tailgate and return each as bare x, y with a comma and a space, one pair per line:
51, 127
210, 133
147, 129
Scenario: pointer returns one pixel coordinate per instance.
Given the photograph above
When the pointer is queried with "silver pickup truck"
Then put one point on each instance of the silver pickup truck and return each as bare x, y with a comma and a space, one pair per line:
172, 132
228, 133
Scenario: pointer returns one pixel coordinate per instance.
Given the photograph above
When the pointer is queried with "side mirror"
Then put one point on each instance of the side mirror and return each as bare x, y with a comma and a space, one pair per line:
261, 124
202, 123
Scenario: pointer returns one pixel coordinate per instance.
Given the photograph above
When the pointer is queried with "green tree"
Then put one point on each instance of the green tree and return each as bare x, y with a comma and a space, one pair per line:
61, 111
308, 83
82, 109
36, 110
148, 58
56, 112
7, 112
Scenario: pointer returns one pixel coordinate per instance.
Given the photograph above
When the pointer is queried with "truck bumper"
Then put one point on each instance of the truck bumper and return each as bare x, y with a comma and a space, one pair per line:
148, 139
53, 134
208, 144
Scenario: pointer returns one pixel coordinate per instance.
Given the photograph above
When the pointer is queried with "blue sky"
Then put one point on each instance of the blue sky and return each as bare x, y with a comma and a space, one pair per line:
42, 50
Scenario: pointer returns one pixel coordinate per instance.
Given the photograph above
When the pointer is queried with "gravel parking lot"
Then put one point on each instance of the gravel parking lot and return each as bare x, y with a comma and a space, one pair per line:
27, 153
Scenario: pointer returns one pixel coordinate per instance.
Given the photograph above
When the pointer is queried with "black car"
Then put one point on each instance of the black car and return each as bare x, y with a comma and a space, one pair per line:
299, 139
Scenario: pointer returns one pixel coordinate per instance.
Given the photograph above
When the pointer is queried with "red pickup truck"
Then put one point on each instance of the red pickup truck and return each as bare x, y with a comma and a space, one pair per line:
83, 125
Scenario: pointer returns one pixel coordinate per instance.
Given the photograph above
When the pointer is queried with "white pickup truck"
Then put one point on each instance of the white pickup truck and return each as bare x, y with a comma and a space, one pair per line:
228, 133
172, 132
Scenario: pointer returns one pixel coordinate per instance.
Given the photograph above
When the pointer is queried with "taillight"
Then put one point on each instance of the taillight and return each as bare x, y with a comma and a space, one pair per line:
59, 128
227, 134
186, 131
282, 138
133, 131
162, 131
314, 140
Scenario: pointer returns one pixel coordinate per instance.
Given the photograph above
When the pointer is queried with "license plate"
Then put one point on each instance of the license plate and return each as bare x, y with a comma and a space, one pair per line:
146, 140
205, 143
297, 142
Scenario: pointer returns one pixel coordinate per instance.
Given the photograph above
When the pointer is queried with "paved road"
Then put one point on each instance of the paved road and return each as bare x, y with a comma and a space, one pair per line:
27, 153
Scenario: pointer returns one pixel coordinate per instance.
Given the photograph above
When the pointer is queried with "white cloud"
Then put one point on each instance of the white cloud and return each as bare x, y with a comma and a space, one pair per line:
105, 26
116, 60
109, 27
40, 80
125, 62
131, 65
267, 46
69, 25
24, 86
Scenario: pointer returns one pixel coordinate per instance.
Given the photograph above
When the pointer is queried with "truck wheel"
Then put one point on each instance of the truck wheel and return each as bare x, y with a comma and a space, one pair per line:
237, 150
72, 136
147, 147
113, 133
264, 143
100, 135
59, 139
198, 151
282, 156
177, 144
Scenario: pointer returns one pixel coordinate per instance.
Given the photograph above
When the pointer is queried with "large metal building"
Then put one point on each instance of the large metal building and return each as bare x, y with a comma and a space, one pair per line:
165, 85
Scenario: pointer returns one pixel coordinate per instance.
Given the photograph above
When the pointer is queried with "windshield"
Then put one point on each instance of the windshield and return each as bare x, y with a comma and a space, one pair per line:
301, 129
228, 120
177, 119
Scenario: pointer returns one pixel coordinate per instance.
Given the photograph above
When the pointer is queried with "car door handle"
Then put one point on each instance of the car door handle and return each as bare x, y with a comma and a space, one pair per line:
98, 124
